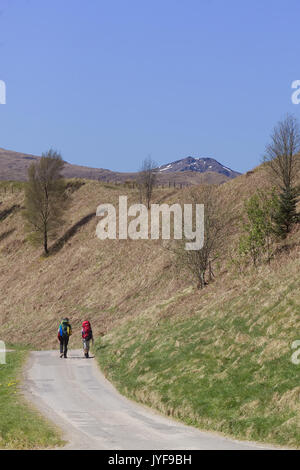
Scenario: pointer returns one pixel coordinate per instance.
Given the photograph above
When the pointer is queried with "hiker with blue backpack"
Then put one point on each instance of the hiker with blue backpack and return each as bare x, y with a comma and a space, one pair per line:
63, 335
87, 336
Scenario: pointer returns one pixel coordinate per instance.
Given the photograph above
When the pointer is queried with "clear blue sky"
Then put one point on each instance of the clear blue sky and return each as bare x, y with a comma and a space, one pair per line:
107, 82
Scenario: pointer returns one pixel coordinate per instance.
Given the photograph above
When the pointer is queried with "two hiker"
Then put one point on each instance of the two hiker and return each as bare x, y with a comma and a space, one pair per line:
65, 331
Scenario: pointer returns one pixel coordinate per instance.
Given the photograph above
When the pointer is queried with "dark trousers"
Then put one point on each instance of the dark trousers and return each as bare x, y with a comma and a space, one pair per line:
63, 343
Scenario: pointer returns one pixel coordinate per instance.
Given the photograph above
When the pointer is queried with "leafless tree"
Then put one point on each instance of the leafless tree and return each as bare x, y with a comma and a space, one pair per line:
282, 155
283, 162
147, 179
199, 262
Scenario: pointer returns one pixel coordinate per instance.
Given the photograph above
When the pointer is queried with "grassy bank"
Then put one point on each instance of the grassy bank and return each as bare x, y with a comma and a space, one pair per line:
20, 426
225, 368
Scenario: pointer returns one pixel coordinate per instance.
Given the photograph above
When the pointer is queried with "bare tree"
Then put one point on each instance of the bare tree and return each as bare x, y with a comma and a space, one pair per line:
45, 198
282, 158
282, 154
147, 179
199, 262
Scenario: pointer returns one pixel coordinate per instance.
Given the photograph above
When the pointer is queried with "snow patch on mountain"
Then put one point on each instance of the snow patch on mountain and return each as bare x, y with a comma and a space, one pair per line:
199, 164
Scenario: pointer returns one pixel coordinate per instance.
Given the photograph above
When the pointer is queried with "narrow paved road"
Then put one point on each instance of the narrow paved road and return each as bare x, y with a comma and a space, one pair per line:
93, 415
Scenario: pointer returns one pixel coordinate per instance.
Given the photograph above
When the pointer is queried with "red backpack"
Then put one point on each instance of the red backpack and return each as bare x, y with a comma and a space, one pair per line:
86, 330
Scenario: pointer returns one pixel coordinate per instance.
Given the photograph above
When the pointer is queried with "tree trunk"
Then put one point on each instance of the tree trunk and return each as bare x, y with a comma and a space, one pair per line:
46, 243
211, 273
201, 281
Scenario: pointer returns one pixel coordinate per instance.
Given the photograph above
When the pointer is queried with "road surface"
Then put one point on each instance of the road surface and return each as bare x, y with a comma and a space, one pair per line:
75, 395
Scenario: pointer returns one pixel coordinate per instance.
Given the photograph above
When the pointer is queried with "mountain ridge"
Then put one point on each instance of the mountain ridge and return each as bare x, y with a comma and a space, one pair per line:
199, 164
186, 171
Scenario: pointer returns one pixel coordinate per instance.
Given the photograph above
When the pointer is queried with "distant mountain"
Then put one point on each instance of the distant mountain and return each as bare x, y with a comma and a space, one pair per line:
188, 171
201, 165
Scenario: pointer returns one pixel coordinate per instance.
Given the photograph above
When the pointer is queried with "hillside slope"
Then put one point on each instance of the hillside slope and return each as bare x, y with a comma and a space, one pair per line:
219, 360
167, 344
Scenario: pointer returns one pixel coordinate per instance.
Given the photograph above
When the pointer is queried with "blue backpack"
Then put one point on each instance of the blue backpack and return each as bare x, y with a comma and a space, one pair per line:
64, 328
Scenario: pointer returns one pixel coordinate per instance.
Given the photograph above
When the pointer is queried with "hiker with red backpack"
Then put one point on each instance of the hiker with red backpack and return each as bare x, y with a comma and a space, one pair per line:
63, 335
87, 336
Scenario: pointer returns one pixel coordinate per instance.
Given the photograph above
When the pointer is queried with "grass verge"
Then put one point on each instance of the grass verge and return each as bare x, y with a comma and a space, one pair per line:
21, 427
226, 368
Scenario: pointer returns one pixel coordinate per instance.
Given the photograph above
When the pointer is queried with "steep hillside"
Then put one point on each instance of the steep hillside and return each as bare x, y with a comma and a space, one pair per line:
85, 277
166, 343
106, 280
219, 360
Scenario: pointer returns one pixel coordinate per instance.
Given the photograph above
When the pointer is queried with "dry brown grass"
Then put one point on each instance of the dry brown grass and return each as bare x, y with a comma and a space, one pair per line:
104, 281
109, 281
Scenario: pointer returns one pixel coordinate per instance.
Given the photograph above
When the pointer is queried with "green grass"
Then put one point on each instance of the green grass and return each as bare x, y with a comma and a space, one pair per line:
21, 427
226, 369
